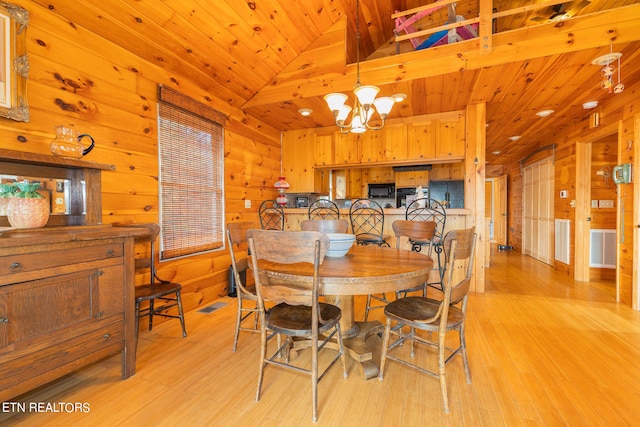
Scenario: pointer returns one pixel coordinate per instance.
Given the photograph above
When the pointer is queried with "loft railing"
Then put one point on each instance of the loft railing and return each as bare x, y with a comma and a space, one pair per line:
483, 24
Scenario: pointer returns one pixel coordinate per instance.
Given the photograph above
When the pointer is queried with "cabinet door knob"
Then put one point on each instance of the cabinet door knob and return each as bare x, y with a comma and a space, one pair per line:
106, 337
4, 320
110, 252
15, 267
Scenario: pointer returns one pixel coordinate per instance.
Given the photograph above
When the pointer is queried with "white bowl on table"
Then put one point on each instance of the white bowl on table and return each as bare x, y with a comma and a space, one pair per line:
339, 244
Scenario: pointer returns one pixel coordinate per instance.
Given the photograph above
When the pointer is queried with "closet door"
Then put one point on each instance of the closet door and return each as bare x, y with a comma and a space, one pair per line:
545, 212
527, 209
537, 224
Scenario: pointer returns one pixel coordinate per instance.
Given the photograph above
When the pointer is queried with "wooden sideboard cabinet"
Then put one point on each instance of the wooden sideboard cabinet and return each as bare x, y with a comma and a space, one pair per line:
66, 300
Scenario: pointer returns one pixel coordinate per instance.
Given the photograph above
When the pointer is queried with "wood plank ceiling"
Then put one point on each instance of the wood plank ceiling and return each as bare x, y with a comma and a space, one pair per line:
269, 58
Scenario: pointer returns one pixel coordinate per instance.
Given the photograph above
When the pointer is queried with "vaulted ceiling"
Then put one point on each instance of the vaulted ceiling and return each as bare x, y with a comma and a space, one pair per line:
269, 58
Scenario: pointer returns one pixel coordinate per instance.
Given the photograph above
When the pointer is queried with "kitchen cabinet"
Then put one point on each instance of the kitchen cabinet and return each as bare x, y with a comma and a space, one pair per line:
346, 149
432, 138
66, 300
348, 184
378, 175
421, 137
437, 138
447, 172
394, 146
323, 147
412, 178
450, 138
298, 161
371, 147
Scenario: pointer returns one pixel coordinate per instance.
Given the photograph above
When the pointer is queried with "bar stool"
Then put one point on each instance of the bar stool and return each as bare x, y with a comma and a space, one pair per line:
425, 209
271, 215
323, 209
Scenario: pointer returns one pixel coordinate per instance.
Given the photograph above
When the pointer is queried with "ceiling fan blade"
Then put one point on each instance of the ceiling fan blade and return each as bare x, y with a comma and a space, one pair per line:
568, 8
583, 4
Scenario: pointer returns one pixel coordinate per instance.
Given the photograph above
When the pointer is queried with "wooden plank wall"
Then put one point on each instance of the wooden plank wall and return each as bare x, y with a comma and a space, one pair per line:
604, 157
83, 81
627, 153
618, 109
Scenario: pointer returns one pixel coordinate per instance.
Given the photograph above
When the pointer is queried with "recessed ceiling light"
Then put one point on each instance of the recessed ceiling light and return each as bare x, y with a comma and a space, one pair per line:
589, 105
544, 113
399, 97
515, 137
305, 111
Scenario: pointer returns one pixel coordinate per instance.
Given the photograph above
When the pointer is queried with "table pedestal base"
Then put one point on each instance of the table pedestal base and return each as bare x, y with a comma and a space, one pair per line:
365, 347
362, 340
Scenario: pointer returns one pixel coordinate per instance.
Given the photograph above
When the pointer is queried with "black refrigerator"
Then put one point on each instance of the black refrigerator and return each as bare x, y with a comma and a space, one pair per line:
452, 192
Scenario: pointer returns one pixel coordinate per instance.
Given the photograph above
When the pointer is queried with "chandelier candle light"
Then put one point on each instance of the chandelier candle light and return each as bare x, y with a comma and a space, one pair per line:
365, 103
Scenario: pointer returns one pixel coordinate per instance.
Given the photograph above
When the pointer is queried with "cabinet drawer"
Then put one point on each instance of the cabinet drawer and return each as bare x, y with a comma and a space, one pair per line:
30, 367
14, 265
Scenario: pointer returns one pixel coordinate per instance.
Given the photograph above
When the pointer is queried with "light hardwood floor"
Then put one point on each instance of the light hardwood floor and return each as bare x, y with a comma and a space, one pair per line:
543, 350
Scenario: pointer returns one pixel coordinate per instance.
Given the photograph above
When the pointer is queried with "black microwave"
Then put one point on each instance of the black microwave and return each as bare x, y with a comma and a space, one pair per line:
382, 191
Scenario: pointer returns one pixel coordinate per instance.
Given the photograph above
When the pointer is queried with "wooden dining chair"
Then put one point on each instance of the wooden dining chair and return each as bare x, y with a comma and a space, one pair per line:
412, 231
325, 225
160, 296
297, 313
435, 316
323, 209
271, 215
245, 290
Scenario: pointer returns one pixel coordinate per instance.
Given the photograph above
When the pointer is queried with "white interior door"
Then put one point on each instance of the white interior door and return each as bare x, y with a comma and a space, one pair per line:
527, 209
538, 227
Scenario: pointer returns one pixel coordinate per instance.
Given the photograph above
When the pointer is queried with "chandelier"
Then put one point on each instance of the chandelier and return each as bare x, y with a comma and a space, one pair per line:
366, 102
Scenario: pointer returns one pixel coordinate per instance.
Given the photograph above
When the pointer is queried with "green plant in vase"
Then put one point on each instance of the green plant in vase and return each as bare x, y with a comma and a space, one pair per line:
6, 193
27, 207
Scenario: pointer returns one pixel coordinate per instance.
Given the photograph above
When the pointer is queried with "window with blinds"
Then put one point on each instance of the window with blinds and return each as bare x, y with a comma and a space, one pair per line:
191, 162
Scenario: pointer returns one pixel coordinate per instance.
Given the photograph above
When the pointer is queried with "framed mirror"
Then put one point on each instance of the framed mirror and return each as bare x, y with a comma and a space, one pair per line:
14, 62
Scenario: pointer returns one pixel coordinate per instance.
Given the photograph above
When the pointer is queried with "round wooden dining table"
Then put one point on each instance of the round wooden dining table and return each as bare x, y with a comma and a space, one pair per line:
363, 270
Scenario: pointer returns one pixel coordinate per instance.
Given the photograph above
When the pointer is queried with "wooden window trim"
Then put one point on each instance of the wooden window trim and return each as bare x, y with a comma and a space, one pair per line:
191, 175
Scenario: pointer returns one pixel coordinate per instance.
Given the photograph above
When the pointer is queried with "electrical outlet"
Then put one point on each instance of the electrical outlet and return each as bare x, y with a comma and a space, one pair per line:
247, 204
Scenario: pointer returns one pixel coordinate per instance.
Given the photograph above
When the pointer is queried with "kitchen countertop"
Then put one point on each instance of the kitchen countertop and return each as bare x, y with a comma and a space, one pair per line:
387, 211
